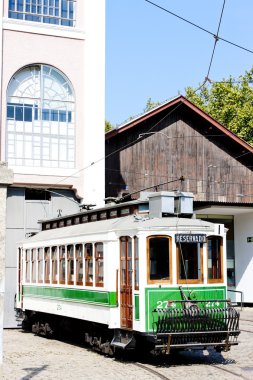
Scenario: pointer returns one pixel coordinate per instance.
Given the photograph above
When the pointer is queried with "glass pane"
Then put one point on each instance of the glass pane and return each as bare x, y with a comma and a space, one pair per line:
159, 265
10, 112
214, 258
129, 248
88, 250
123, 247
189, 261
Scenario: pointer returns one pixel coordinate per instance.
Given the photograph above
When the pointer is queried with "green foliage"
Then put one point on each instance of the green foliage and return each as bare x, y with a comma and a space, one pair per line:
150, 104
230, 102
108, 126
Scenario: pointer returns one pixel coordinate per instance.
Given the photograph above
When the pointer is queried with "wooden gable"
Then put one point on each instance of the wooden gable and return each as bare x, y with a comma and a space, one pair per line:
178, 140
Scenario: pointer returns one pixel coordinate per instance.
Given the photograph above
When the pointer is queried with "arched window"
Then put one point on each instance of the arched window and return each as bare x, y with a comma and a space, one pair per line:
40, 119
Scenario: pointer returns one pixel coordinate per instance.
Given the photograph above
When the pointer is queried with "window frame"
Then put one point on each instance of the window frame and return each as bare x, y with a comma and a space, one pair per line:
136, 263
28, 266
70, 257
54, 264
62, 264
187, 280
34, 265
167, 281
79, 259
47, 265
221, 279
98, 260
89, 259
44, 13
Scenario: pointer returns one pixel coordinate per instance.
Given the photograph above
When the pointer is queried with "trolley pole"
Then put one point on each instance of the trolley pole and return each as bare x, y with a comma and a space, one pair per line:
6, 178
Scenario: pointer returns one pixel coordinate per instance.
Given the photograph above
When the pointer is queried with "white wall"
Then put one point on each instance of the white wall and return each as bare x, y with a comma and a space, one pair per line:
243, 225
80, 54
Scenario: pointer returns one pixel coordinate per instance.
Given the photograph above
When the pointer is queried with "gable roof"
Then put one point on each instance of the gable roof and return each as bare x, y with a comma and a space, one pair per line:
242, 146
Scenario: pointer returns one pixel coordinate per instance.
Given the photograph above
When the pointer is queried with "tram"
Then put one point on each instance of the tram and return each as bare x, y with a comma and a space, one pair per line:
137, 275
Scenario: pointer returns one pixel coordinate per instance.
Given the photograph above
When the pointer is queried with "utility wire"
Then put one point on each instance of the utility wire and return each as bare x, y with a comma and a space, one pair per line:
216, 39
198, 26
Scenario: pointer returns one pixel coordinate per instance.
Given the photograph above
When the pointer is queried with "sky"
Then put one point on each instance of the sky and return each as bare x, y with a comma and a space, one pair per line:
152, 54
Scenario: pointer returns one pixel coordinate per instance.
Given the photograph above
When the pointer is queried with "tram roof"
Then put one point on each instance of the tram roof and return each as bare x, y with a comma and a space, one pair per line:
127, 223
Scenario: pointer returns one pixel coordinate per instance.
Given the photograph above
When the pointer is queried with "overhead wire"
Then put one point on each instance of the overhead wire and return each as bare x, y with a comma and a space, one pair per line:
216, 39
198, 26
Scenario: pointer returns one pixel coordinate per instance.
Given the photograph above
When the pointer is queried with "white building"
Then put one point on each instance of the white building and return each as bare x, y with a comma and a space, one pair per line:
52, 113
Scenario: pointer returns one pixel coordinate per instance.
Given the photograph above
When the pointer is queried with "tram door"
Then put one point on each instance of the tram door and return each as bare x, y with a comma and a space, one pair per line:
126, 282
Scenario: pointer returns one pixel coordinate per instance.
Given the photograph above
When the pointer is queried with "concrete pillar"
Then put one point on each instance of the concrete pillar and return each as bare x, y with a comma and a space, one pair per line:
6, 178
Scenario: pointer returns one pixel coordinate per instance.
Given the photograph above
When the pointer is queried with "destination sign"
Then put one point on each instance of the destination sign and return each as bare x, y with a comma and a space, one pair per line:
190, 238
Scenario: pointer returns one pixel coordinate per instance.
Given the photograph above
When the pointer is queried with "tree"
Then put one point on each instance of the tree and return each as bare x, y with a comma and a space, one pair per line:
230, 102
108, 126
150, 104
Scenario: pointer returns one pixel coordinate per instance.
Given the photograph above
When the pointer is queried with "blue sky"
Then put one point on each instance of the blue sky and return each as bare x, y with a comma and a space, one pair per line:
152, 54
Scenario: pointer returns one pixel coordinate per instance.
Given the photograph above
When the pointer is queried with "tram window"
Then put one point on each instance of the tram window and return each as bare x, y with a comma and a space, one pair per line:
126, 262
79, 264
214, 249
123, 249
54, 265
40, 265
99, 267
34, 252
189, 262
62, 264
47, 264
136, 263
27, 265
159, 259
88, 264
70, 264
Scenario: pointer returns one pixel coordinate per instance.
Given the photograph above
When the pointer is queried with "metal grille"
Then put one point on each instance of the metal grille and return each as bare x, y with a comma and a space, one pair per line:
193, 326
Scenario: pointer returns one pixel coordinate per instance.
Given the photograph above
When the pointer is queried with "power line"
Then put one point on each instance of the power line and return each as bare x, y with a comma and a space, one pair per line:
199, 27
216, 39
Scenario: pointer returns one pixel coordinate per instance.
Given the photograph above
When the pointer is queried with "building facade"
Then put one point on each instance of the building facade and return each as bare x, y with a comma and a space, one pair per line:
177, 146
52, 113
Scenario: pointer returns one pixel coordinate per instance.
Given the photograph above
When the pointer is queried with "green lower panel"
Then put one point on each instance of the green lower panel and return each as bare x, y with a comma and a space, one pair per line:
69, 294
137, 307
157, 298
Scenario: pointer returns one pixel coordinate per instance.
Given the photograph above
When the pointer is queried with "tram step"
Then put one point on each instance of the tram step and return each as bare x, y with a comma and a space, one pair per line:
123, 339
119, 344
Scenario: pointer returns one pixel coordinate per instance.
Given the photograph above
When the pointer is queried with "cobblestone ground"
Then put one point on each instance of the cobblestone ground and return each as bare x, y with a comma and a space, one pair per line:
30, 357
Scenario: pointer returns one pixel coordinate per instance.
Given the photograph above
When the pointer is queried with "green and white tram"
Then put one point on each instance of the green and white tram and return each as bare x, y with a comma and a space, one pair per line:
138, 280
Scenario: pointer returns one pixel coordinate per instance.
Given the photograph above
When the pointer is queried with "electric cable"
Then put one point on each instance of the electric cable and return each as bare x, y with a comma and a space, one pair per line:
199, 27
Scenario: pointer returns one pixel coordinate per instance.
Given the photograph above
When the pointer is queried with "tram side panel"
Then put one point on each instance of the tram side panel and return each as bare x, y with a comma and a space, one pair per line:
95, 304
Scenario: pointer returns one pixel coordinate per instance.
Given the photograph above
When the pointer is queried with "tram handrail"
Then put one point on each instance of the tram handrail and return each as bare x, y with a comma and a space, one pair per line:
241, 293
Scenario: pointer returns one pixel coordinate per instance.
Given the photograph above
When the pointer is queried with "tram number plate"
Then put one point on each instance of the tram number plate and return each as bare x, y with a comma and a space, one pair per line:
164, 304
212, 304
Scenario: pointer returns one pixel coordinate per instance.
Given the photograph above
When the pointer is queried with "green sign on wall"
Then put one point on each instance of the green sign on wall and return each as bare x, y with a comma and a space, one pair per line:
250, 239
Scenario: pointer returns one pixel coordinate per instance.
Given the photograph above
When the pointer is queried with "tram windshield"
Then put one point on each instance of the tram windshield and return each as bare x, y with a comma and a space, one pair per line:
189, 262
